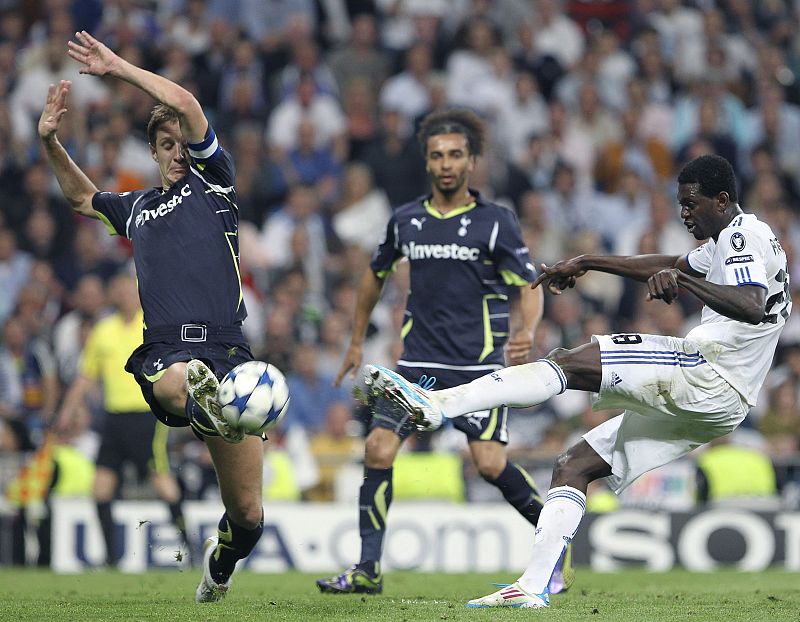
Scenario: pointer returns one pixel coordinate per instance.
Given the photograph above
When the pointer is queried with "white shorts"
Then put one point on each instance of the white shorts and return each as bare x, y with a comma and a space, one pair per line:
673, 400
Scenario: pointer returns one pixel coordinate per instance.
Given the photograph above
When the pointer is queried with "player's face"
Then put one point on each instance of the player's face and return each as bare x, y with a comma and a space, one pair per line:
170, 153
449, 162
701, 215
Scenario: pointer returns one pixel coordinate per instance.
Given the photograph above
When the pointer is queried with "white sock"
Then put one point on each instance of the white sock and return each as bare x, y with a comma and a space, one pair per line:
518, 386
558, 522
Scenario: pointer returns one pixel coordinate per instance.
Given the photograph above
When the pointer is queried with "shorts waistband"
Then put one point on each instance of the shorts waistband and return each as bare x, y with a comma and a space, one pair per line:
193, 333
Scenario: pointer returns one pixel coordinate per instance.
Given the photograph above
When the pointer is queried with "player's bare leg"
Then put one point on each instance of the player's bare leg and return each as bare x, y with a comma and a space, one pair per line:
239, 472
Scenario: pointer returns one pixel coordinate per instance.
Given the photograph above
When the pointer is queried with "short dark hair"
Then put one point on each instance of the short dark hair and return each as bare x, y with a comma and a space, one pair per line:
160, 115
453, 121
713, 174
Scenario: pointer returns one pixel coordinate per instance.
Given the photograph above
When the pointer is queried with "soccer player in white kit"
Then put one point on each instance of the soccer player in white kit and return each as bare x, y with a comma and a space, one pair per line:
678, 393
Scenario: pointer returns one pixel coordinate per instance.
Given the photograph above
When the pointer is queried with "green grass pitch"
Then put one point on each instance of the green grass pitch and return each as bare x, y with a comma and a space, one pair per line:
725, 596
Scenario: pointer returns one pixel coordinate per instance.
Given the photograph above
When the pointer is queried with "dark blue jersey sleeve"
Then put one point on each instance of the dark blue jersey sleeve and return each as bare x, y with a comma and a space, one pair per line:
115, 209
509, 252
213, 163
388, 252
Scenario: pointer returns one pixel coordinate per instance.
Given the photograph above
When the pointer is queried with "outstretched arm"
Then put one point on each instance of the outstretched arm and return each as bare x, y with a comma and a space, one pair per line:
98, 60
76, 186
563, 274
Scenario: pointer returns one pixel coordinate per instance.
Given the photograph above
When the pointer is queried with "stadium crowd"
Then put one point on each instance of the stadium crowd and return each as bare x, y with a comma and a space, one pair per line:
592, 106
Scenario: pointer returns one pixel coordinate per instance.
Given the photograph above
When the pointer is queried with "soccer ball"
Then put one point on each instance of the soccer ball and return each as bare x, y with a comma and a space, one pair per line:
253, 397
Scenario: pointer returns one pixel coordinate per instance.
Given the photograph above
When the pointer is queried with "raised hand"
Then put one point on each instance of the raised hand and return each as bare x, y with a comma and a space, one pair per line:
54, 109
96, 58
559, 276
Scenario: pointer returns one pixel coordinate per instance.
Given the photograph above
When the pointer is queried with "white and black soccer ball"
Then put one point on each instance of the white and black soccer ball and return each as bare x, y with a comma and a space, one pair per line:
253, 397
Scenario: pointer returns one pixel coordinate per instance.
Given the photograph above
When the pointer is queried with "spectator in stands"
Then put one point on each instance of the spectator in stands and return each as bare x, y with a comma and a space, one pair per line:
30, 378
323, 110
312, 391
362, 213
395, 160
361, 58
87, 304
407, 91
15, 267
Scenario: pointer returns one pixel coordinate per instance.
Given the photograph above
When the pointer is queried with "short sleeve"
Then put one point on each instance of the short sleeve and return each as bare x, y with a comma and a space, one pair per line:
115, 209
213, 164
388, 252
743, 255
508, 251
699, 259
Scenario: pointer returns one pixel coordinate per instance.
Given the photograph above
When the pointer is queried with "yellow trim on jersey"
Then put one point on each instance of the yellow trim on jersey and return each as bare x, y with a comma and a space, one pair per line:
102, 218
487, 433
156, 376
512, 278
235, 265
160, 460
406, 328
382, 274
488, 336
451, 214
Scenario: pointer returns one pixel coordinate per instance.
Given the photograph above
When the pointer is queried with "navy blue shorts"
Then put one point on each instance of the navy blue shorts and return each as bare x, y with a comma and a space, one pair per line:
490, 425
152, 359
148, 454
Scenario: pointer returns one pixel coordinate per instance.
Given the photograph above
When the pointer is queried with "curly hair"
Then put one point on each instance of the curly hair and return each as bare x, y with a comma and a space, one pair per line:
713, 174
160, 115
453, 121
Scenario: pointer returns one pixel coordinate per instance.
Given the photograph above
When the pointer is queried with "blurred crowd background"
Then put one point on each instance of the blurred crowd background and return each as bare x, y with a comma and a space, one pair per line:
592, 109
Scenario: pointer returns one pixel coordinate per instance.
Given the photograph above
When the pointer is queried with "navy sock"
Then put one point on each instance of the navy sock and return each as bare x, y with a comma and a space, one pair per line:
107, 527
198, 419
237, 541
520, 491
374, 500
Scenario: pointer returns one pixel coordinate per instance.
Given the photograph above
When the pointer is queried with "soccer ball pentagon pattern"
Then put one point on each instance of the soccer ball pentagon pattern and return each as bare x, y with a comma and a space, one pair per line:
253, 397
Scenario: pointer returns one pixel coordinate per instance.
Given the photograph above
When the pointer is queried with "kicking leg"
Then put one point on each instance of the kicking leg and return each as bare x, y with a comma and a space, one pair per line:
520, 386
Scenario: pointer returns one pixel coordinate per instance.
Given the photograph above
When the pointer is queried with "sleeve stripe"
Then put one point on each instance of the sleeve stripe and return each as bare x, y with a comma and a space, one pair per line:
493, 236
205, 149
128, 223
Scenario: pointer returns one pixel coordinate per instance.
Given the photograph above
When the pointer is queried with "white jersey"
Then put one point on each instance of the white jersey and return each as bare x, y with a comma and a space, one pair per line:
746, 253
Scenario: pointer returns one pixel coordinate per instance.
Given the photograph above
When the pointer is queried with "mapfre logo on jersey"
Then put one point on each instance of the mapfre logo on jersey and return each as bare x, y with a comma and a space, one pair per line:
441, 251
163, 208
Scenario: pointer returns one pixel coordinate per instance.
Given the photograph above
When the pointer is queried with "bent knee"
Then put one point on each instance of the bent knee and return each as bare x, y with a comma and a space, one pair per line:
566, 467
380, 450
559, 356
246, 513
170, 389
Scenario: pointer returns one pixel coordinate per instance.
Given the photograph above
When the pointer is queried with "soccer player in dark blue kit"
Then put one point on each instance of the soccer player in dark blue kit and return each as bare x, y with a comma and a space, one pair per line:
186, 251
468, 267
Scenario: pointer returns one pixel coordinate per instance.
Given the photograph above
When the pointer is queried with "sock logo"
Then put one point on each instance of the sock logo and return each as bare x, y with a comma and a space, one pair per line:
496, 377
615, 379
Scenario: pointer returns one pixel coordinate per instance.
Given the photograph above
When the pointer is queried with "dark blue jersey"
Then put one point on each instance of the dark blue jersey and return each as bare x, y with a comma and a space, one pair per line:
185, 241
463, 265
